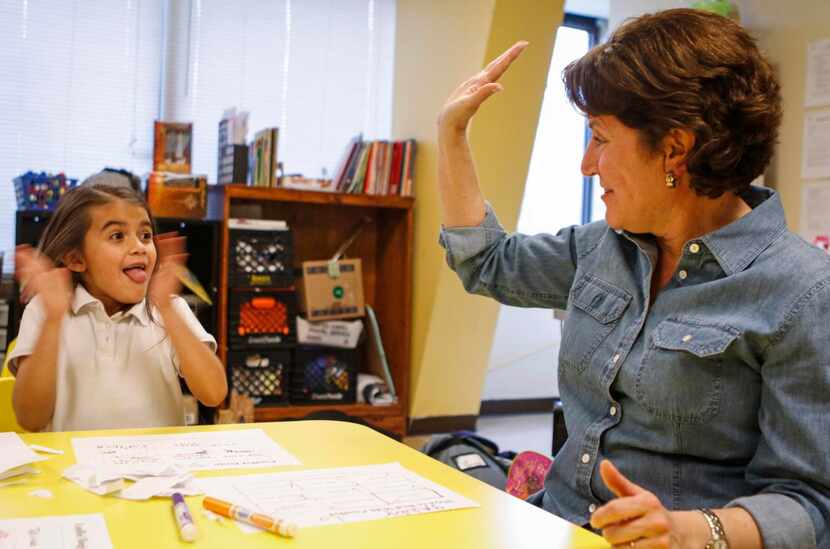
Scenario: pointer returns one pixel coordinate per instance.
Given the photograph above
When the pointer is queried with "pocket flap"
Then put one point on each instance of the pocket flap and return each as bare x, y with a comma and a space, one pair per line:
699, 339
603, 301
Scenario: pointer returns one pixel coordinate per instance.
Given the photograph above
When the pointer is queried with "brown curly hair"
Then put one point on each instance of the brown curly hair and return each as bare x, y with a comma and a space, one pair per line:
686, 68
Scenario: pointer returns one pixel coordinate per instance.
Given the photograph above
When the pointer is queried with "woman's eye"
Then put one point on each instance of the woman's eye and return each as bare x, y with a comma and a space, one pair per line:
598, 140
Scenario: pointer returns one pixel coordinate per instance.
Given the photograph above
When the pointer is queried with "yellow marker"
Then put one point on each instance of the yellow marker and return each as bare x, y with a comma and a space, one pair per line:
192, 283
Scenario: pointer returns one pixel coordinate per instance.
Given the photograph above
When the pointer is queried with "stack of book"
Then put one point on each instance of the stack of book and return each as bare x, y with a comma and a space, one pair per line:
376, 167
233, 152
262, 161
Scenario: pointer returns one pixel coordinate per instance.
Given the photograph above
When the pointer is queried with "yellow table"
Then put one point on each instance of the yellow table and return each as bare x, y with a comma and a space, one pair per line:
501, 521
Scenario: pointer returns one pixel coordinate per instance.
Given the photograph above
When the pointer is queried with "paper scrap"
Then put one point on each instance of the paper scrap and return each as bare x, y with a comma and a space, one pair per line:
196, 451
98, 481
147, 482
63, 532
13, 454
42, 493
152, 486
45, 449
339, 495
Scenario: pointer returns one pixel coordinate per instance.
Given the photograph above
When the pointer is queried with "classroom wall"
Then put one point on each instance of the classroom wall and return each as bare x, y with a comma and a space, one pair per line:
439, 44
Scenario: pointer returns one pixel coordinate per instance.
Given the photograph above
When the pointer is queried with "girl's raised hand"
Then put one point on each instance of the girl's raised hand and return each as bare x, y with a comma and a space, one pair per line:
464, 102
39, 276
171, 257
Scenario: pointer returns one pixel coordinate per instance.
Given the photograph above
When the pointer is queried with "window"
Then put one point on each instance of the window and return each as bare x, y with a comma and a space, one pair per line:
526, 341
85, 79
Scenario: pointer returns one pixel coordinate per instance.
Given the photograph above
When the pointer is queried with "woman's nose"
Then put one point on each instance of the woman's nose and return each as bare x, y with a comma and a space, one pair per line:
589, 164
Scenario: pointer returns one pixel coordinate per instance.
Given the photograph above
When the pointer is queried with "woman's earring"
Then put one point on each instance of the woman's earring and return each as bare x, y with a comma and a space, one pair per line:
671, 182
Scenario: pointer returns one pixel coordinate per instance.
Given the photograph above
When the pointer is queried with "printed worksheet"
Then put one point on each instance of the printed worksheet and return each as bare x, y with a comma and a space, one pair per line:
187, 451
63, 532
333, 496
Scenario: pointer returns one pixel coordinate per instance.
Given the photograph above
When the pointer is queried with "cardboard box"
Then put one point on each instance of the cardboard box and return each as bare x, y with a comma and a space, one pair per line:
327, 295
177, 196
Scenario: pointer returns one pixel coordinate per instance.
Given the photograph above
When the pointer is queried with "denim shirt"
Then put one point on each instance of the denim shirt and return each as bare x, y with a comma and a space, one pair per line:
713, 395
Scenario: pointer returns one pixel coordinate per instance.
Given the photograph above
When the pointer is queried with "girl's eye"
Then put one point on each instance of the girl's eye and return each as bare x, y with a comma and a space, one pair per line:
117, 236
147, 236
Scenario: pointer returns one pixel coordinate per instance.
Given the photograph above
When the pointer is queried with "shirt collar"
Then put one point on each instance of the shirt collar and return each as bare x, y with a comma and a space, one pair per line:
736, 245
84, 300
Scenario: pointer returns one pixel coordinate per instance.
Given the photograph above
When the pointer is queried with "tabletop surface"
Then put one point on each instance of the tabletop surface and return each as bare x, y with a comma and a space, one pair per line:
501, 520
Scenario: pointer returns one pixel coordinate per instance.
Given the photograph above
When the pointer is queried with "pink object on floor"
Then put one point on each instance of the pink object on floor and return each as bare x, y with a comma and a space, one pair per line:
527, 474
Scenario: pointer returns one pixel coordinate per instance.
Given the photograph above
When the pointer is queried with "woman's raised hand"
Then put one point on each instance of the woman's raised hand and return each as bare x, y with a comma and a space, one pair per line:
463, 103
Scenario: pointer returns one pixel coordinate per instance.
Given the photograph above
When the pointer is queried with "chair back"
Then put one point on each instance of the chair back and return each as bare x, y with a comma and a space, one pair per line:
8, 420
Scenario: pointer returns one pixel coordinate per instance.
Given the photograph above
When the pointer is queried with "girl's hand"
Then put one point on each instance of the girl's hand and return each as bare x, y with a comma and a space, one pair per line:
636, 518
171, 258
463, 103
39, 276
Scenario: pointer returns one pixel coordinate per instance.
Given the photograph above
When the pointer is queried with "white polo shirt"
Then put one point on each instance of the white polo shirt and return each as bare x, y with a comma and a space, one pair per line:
113, 372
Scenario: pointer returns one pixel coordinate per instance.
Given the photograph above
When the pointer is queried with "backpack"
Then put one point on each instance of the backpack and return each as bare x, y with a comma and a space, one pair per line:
474, 455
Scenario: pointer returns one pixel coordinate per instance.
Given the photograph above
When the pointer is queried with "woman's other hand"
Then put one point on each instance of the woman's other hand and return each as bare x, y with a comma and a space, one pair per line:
39, 276
464, 102
636, 518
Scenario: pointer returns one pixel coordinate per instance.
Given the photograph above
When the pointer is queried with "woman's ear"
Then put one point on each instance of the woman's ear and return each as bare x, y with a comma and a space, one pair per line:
74, 261
677, 146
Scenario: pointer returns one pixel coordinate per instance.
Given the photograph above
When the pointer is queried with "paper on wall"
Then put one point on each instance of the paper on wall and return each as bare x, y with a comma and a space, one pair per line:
815, 162
818, 74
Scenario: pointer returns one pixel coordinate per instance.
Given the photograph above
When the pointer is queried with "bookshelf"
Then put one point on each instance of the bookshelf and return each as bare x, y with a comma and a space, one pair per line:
320, 222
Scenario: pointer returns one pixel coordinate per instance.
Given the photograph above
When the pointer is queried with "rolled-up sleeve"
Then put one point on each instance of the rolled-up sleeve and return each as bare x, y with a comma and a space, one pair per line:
791, 467
515, 269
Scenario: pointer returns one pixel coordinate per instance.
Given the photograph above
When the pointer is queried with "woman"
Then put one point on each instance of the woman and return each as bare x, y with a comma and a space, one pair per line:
694, 361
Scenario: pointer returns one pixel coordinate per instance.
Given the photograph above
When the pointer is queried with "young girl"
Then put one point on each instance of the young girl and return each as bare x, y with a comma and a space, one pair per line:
104, 339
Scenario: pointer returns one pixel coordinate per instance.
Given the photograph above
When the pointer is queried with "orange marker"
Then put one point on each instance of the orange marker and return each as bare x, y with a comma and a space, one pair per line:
282, 527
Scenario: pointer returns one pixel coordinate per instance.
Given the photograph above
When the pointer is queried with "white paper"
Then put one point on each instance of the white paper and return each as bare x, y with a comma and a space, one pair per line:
189, 452
152, 486
334, 496
815, 162
147, 481
818, 74
45, 449
64, 532
815, 213
14, 453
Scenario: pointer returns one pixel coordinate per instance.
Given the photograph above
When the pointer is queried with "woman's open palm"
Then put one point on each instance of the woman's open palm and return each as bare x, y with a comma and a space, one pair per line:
464, 102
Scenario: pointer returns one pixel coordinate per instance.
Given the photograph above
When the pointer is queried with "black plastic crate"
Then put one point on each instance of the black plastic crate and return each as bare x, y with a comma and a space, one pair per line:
260, 258
262, 375
262, 319
324, 374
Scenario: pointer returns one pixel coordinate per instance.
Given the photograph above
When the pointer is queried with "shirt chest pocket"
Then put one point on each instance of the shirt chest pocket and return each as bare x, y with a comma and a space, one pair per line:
680, 375
595, 309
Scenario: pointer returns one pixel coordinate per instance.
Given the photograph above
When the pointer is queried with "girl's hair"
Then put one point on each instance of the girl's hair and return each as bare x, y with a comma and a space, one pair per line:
68, 226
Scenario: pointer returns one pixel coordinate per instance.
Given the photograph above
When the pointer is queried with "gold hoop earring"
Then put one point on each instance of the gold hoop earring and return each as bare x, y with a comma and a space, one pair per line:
671, 182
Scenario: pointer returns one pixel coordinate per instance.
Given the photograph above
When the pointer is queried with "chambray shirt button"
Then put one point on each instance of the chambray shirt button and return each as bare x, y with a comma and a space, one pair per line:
682, 275
687, 338
613, 410
694, 247
615, 358
586, 458
592, 508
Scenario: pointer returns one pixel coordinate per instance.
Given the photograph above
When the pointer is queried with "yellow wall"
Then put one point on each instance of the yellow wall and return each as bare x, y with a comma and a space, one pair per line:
439, 44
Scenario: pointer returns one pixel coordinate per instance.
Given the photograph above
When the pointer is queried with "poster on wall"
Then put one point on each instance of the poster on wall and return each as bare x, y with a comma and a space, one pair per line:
818, 74
815, 224
815, 159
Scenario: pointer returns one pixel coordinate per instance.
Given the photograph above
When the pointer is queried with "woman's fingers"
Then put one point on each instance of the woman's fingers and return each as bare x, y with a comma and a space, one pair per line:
500, 64
647, 526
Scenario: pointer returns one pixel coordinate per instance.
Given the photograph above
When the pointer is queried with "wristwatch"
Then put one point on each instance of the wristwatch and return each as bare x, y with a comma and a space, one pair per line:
718, 540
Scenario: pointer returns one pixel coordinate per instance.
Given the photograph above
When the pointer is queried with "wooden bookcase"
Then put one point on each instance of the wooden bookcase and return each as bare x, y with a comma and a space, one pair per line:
320, 222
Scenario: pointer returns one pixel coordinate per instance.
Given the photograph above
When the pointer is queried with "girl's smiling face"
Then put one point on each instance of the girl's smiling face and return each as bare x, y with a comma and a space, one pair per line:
118, 255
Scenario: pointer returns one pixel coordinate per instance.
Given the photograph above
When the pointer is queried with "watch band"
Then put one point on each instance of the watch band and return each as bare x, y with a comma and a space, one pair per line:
718, 540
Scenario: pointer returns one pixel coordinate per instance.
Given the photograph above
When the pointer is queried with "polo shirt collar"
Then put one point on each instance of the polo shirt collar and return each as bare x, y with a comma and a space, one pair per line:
84, 300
